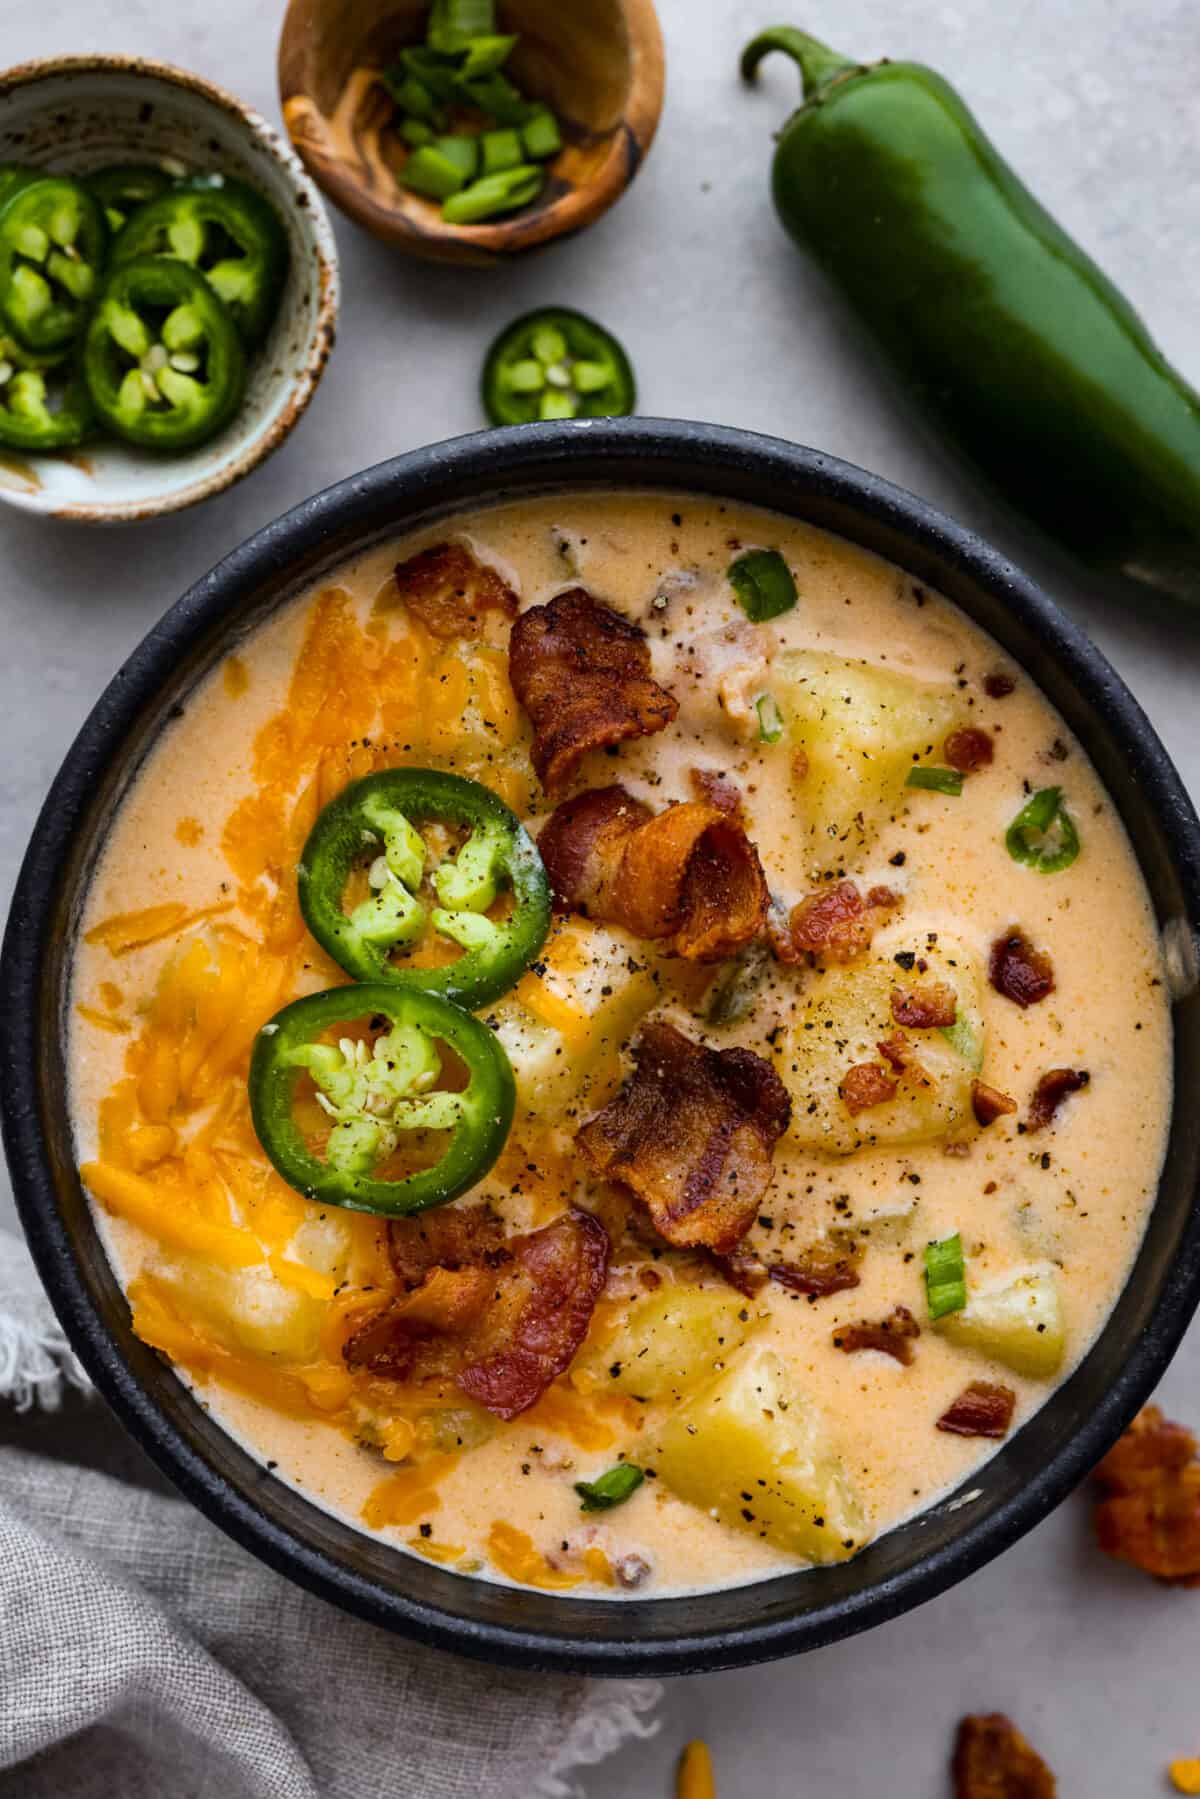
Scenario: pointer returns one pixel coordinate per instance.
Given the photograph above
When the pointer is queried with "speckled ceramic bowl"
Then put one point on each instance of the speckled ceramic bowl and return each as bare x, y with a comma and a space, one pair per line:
77, 113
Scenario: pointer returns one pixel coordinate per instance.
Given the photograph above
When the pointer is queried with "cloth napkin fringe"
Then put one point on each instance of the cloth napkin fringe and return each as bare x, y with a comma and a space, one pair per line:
37, 1364
611, 1718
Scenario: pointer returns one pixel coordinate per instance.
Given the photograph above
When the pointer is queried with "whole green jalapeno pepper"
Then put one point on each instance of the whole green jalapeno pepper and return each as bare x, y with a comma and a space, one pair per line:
375, 1089
53, 244
226, 232
374, 825
1006, 332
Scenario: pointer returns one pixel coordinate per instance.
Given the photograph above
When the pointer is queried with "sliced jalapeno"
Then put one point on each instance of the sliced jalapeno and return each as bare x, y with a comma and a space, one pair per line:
229, 234
124, 188
1043, 834
376, 1092
44, 402
12, 176
556, 363
53, 243
163, 361
376, 821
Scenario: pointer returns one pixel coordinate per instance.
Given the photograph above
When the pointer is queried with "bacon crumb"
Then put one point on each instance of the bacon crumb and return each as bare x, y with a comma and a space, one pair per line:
998, 685
864, 1085
968, 749
719, 790
631, 1571
894, 1336
1020, 972
744, 1271
988, 1103
1150, 1514
981, 1410
1053, 1087
449, 590
925, 1008
835, 923
582, 673
822, 1268
992, 1760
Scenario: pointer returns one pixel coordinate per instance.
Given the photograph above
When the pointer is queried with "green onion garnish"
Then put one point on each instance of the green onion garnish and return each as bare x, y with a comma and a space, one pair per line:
945, 1276
613, 1488
770, 718
936, 780
1043, 834
763, 584
965, 1040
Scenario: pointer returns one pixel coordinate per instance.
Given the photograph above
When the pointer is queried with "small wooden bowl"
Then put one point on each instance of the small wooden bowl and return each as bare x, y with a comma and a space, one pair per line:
598, 63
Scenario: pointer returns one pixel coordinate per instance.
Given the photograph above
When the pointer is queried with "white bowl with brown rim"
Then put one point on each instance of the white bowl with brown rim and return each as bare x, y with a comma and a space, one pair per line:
74, 114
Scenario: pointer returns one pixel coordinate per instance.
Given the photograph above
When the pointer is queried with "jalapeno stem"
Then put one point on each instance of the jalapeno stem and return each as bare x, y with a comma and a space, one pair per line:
819, 65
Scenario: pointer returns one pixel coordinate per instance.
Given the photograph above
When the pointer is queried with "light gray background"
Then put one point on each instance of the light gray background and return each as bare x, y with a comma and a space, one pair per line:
1097, 102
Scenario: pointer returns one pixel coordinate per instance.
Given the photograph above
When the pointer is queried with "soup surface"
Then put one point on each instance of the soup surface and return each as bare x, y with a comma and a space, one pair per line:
796, 1020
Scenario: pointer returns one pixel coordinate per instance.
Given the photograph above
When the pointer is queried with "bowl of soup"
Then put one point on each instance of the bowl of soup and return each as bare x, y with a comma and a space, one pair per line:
590, 1030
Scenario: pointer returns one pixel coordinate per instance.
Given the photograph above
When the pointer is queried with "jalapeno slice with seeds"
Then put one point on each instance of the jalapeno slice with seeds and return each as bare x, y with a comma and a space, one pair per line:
556, 363
162, 357
226, 232
124, 188
44, 401
380, 1095
376, 822
53, 242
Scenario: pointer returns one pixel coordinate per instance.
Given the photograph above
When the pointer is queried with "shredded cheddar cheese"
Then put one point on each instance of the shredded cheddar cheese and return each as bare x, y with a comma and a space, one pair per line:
408, 1495
514, 1554
695, 1777
1185, 1775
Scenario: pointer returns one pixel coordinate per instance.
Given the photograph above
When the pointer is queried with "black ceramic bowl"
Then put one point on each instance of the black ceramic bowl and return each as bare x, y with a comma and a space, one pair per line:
520, 1627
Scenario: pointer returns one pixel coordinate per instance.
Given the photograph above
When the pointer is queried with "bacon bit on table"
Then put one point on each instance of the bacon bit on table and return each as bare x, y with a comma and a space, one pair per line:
981, 1410
836, 923
449, 590
927, 1008
992, 1760
1052, 1088
691, 1135
968, 749
998, 685
821, 1269
689, 876
719, 790
988, 1103
894, 1336
582, 673
1151, 1513
864, 1085
1020, 972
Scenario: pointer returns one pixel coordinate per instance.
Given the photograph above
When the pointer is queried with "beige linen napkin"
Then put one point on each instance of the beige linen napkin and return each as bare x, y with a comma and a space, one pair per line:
145, 1656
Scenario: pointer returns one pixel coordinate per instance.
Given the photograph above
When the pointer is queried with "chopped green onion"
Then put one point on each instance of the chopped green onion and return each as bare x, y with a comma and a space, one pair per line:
501, 150
492, 194
428, 171
613, 1488
965, 1040
945, 1276
433, 72
770, 718
410, 95
936, 780
485, 55
763, 584
541, 135
462, 151
495, 94
453, 23
1043, 834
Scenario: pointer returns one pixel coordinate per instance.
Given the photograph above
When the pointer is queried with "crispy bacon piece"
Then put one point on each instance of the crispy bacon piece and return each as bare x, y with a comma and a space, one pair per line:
895, 1336
824, 1267
1150, 1515
925, 1008
866, 1084
719, 790
744, 1271
968, 749
998, 685
582, 673
988, 1103
449, 590
502, 1325
692, 1136
1020, 972
454, 1236
835, 923
1053, 1087
981, 1410
992, 1760
688, 876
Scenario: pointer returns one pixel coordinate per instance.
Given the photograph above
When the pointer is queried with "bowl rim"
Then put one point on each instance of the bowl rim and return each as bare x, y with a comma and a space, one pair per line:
629, 144
399, 494
248, 455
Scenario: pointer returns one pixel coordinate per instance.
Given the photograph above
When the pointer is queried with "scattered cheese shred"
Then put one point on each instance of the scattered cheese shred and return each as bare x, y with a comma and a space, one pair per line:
408, 1495
514, 1554
143, 1203
1185, 1775
127, 931
695, 1777
436, 1552
104, 1021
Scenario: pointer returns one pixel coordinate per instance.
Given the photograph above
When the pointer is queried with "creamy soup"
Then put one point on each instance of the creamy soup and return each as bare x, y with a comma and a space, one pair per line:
834, 1132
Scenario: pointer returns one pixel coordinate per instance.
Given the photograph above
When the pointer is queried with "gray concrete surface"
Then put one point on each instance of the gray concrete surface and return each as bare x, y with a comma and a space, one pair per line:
1098, 104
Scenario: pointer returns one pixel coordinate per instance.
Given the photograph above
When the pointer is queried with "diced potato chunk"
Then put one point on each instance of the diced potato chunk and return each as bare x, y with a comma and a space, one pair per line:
580, 1002
753, 1451
669, 1343
245, 1308
861, 728
322, 1242
847, 1013
1020, 1324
